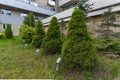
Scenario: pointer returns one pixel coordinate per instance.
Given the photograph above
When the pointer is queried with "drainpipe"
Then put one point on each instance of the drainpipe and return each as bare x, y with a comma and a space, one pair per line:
57, 5
29, 2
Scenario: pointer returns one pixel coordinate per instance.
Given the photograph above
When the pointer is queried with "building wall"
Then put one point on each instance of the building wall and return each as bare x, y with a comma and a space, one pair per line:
94, 23
14, 18
44, 4
1, 30
40, 2
15, 29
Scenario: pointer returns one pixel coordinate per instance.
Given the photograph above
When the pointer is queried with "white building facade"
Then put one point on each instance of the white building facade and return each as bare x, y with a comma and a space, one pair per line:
13, 12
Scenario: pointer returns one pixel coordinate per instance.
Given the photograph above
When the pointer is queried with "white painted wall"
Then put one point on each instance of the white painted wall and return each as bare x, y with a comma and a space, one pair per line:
14, 18
103, 3
62, 2
26, 6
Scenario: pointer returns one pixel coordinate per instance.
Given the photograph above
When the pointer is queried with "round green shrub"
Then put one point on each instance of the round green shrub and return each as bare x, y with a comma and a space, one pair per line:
53, 40
78, 49
39, 35
8, 31
27, 34
22, 28
2, 35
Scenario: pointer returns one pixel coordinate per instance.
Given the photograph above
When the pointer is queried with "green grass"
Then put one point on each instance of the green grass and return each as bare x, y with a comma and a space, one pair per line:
18, 61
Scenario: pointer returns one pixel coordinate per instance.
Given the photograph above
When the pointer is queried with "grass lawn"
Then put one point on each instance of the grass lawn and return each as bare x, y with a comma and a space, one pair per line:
18, 61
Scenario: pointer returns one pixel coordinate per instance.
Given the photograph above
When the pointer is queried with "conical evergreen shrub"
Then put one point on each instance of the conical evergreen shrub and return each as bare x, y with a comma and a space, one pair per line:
78, 49
8, 31
39, 35
53, 40
27, 34
32, 20
29, 20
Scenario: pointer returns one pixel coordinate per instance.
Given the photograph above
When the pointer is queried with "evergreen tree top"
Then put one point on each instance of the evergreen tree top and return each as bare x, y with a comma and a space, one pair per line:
39, 28
54, 28
29, 20
54, 21
77, 19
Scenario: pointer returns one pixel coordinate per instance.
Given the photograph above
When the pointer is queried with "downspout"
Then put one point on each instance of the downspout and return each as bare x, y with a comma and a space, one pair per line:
57, 5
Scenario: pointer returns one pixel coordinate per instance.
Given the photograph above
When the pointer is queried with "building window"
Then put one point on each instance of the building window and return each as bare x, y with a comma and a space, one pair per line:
6, 12
46, 7
3, 26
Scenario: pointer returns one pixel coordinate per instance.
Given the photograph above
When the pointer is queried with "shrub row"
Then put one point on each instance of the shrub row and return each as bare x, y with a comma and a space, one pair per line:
78, 49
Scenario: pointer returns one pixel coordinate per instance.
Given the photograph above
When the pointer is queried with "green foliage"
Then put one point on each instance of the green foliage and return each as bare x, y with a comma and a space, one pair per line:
84, 5
29, 20
26, 20
39, 35
2, 35
22, 28
78, 49
22, 63
27, 34
116, 35
8, 31
107, 45
26, 30
53, 41
108, 20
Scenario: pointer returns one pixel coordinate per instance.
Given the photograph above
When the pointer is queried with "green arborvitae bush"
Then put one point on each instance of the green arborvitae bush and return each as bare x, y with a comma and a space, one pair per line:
78, 49
2, 35
53, 40
27, 34
32, 20
29, 20
8, 31
39, 35
26, 20
22, 28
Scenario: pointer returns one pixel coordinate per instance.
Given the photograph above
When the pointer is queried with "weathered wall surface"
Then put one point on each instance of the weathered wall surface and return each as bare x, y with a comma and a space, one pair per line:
15, 29
93, 25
